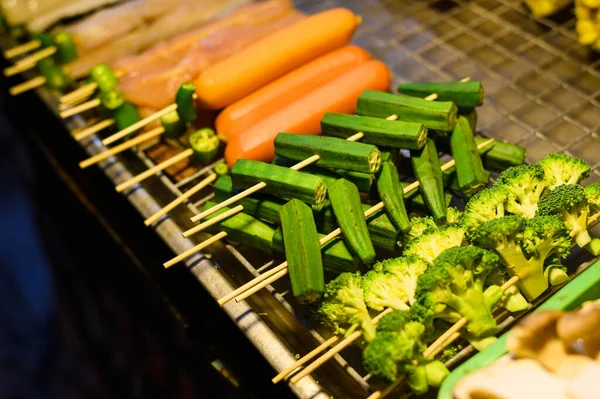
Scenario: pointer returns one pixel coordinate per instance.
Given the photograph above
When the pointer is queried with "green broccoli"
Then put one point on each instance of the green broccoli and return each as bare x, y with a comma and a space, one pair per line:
563, 169
554, 271
569, 203
485, 205
343, 306
525, 184
523, 246
453, 288
383, 290
407, 270
434, 241
511, 299
398, 349
397, 343
418, 225
592, 194
453, 215
449, 352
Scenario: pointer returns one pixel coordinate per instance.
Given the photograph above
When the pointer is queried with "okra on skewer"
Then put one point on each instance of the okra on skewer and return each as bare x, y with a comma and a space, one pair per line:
464, 94
426, 166
471, 175
274, 274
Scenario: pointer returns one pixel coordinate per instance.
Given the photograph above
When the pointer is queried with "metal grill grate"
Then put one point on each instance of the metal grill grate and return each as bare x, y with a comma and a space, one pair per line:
542, 92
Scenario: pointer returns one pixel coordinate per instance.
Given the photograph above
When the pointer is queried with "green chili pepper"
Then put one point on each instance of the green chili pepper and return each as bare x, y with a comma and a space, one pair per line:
126, 115
221, 169
205, 144
185, 102
44, 38
104, 77
112, 99
66, 51
173, 125
56, 78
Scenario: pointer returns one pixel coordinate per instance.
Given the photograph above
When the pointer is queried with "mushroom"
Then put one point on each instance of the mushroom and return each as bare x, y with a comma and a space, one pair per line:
582, 327
585, 384
513, 379
535, 338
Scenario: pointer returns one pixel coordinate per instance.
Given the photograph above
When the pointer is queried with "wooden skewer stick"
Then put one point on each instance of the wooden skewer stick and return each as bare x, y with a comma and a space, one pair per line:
91, 130
263, 280
195, 249
317, 350
83, 91
215, 220
80, 108
28, 85
336, 349
155, 169
122, 147
29, 62
441, 342
262, 185
179, 200
139, 124
66, 106
22, 49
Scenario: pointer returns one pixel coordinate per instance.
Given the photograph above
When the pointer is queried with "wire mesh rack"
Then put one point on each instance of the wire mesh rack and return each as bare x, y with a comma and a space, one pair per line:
542, 92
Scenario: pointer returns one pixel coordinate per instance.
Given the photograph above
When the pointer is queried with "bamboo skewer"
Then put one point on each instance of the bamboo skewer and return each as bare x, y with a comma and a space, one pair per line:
80, 108
122, 147
84, 91
336, 349
91, 130
22, 49
155, 169
213, 221
441, 342
139, 124
29, 62
66, 106
195, 249
212, 177
263, 281
31, 84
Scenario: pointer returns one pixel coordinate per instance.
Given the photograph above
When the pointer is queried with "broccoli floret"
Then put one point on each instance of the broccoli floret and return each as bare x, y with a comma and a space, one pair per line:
418, 225
434, 241
526, 184
397, 349
448, 353
383, 290
511, 299
397, 344
454, 286
555, 272
486, 205
523, 246
407, 270
453, 215
592, 194
569, 203
393, 322
563, 169
343, 306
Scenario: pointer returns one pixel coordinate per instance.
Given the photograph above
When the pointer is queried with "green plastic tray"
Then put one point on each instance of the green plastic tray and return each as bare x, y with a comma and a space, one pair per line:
584, 287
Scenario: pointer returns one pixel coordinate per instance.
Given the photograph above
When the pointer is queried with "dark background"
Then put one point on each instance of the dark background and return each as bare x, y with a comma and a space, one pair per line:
87, 310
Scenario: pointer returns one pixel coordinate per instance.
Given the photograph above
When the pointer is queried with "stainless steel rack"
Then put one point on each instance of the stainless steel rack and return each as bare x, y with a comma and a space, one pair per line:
542, 92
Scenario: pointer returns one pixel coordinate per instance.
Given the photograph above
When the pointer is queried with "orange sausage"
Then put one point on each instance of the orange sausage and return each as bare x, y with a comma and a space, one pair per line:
257, 65
244, 113
304, 115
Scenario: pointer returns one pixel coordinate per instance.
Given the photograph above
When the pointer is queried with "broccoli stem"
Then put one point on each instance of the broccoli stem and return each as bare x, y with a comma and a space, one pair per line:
578, 227
368, 329
533, 282
472, 305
